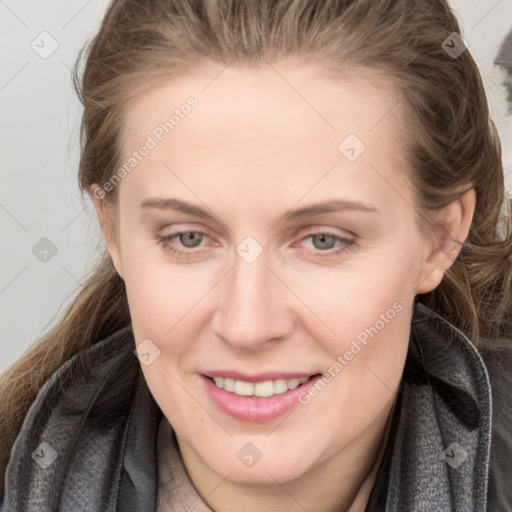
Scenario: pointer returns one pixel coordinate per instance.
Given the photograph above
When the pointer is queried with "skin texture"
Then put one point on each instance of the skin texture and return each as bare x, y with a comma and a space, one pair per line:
251, 150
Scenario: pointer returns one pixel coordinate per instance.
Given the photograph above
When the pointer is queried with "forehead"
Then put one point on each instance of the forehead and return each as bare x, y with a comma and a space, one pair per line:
268, 98
265, 124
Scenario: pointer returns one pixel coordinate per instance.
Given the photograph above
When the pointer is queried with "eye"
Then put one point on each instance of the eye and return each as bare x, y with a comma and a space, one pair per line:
187, 239
323, 242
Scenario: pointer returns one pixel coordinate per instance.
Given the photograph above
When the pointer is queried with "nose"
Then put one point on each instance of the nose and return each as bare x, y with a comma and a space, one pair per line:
253, 310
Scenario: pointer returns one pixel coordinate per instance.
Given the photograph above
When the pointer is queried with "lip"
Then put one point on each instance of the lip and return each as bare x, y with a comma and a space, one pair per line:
260, 377
256, 409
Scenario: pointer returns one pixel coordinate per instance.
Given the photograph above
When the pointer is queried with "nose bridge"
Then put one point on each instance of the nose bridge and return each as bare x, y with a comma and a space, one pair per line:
251, 311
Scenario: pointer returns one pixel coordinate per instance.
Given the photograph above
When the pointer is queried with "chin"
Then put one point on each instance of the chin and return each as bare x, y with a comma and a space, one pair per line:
264, 474
274, 465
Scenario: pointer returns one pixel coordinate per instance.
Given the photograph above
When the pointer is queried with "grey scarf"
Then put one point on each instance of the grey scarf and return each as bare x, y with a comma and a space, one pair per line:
92, 432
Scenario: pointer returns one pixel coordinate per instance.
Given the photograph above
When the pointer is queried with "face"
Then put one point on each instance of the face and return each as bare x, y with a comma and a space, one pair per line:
268, 235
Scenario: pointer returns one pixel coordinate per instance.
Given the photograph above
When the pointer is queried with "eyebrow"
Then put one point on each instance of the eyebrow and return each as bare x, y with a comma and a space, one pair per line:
333, 205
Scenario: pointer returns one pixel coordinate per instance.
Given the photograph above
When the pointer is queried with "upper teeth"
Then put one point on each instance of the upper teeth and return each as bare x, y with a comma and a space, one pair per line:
263, 389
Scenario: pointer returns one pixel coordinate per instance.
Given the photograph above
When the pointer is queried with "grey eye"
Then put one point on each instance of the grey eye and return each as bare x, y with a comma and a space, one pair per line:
189, 238
325, 241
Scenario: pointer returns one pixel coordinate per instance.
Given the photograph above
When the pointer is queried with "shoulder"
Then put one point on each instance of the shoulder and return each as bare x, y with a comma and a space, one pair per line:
73, 426
489, 376
497, 356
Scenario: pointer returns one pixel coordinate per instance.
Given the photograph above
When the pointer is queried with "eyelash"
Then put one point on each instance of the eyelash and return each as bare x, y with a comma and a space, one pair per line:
346, 245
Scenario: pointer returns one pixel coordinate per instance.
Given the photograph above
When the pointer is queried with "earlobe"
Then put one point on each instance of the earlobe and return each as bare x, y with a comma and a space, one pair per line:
97, 197
454, 224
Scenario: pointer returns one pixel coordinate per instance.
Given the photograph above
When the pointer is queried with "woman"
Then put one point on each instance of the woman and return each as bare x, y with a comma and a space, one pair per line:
308, 247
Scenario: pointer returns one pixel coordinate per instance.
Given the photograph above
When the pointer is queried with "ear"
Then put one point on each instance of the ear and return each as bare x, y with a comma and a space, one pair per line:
454, 222
97, 195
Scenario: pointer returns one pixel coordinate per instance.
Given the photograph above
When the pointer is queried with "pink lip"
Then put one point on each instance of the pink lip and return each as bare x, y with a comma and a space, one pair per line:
260, 377
256, 409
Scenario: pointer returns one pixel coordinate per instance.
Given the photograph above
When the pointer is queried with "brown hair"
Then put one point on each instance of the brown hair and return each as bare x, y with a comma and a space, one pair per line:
452, 143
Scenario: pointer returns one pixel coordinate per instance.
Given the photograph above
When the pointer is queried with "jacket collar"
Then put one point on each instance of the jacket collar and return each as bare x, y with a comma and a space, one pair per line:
438, 457
104, 431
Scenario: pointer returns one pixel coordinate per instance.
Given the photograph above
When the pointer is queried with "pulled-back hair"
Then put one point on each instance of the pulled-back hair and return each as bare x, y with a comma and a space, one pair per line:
451, 144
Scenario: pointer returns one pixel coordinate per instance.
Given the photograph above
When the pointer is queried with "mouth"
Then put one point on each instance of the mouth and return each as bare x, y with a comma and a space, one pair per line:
259, 401
264, 389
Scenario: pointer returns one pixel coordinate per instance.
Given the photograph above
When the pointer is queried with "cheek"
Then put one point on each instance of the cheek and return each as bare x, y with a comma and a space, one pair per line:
366, 292
368, 314
162, 296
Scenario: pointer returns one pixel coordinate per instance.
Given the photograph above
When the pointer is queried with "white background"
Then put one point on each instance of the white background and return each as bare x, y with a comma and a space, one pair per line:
39, 152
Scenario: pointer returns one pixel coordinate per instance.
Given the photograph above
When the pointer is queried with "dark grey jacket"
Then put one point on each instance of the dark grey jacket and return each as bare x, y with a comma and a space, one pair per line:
93, 428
